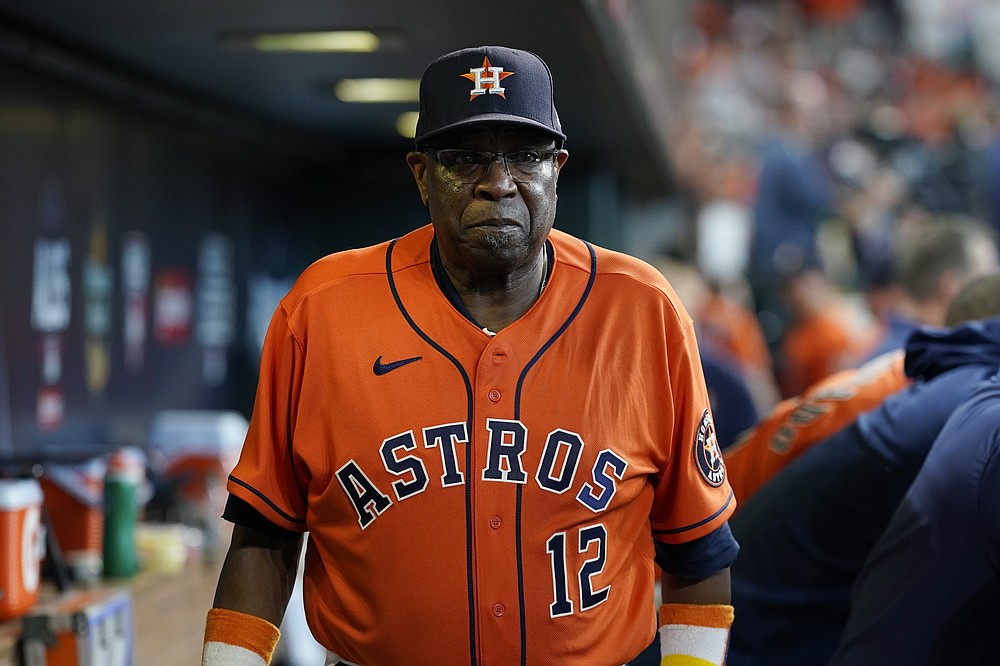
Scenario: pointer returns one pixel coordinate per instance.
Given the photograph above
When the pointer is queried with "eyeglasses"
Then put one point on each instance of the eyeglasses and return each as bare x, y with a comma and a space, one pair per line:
469, 166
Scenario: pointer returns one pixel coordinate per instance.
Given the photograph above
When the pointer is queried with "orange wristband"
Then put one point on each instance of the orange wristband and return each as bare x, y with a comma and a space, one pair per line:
238, 638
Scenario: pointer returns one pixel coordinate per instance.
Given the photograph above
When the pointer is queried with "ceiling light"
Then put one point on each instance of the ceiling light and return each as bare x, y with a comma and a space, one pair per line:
406, 124
355, 41
402, 91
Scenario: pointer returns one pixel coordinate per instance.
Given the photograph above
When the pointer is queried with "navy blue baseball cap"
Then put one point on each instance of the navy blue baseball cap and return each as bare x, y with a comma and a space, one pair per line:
486, 84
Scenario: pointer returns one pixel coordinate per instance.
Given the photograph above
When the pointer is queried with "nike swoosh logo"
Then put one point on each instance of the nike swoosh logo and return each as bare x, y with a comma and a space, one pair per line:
381, 368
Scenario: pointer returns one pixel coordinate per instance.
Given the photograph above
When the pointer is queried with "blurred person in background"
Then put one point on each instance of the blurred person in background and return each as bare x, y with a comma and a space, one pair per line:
927, 595
827, 330
734, 356
792, 200
799, 422
730, 326
936, 258
805, 534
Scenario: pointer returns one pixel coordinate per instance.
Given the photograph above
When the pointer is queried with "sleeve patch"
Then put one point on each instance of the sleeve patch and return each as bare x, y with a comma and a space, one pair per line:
707, 454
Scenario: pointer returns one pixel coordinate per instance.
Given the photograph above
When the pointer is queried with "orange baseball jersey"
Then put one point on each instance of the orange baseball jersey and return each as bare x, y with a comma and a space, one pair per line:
471, 498
795, 424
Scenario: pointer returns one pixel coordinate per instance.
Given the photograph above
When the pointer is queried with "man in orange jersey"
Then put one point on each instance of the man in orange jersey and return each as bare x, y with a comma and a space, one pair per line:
490, 429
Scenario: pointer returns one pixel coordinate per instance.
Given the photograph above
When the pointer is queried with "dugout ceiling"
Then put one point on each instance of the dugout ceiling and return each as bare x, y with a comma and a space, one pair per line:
608, 57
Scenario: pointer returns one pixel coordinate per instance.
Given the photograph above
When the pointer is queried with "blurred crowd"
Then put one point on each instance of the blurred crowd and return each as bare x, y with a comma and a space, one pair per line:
839, 163
815, 143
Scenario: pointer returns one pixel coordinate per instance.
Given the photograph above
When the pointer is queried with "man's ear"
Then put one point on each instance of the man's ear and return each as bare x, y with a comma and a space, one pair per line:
418, 166
561, 156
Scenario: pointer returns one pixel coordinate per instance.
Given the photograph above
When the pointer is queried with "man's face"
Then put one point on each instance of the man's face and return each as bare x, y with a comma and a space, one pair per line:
495, 225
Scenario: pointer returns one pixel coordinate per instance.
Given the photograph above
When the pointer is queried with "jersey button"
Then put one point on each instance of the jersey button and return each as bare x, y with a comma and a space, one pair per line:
494, 395
495, 522
499, 610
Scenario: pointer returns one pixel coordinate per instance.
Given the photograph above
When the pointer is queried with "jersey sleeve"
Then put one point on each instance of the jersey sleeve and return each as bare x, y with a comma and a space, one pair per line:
692, 496
699, 558
266, 476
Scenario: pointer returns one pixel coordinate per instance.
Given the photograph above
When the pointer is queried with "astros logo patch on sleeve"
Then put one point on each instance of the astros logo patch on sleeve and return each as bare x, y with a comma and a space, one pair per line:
707, 455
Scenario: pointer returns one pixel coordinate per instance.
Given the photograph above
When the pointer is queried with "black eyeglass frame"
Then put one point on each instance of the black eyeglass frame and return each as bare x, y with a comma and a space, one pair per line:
545, 155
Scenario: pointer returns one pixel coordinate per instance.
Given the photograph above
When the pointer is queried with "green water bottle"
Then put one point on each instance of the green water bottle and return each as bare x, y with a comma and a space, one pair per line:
122, 485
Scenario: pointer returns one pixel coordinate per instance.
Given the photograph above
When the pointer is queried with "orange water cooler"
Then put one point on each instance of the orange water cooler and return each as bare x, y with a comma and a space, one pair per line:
22, 546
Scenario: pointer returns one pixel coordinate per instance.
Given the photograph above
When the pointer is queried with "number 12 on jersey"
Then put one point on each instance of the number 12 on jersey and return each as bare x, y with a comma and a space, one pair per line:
556, 548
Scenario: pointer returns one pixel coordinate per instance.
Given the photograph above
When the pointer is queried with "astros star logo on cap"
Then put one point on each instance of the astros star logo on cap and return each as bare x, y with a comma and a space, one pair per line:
487, 79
